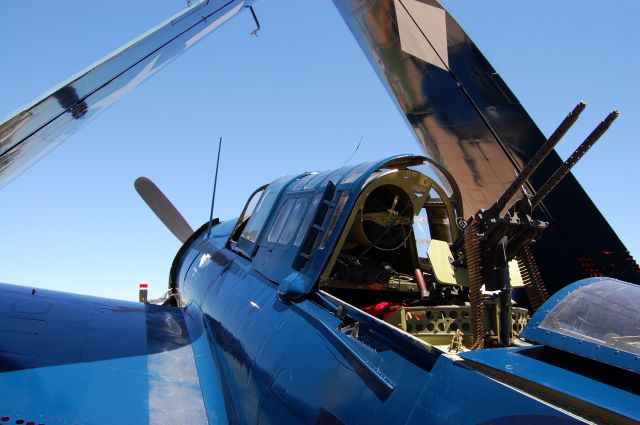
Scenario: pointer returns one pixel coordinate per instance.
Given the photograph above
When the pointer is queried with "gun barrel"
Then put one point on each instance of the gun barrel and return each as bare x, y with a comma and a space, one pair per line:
539, 156
573, 159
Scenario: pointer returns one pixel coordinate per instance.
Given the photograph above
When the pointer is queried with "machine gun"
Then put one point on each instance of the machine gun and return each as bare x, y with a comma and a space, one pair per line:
491, 239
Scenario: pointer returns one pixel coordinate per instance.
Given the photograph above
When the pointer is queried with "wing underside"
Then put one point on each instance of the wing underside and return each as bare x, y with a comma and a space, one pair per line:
36, 129
68, 358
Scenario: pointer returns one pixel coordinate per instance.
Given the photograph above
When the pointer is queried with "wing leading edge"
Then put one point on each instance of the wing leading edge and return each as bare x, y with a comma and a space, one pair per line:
68, 358
36, 129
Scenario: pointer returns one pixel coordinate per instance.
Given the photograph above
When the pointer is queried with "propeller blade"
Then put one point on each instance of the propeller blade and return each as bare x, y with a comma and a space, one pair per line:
163, 208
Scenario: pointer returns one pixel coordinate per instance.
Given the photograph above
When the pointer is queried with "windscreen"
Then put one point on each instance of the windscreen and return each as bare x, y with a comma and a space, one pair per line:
605, 312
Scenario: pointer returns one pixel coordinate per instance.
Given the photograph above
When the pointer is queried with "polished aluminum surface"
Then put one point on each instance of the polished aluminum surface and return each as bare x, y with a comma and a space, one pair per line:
36, 129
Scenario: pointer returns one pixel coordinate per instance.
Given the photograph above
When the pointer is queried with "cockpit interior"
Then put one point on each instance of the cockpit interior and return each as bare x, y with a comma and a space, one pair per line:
393, 260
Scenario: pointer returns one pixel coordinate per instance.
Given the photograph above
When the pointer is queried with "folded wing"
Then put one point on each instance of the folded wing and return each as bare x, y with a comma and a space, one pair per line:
466, 117
36, 129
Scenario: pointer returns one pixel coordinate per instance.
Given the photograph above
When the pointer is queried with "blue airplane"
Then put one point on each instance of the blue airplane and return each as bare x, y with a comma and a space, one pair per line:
365, 294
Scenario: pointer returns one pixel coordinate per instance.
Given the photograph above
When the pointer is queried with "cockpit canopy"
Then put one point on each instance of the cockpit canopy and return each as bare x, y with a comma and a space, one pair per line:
292, 227
597, 318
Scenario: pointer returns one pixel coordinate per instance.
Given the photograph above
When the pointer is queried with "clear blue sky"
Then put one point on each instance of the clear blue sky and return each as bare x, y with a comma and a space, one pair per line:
297, 98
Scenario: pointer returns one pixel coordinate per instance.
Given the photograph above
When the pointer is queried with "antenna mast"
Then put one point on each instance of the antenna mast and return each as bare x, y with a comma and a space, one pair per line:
215, 183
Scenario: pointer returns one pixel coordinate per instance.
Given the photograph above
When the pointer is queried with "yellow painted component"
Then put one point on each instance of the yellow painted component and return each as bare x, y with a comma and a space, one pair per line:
440, 257
514, 274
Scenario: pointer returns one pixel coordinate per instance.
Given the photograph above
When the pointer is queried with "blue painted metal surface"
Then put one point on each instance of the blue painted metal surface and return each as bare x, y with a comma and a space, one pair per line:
68, 358
290, 363
294, 362
574, 385
253, 339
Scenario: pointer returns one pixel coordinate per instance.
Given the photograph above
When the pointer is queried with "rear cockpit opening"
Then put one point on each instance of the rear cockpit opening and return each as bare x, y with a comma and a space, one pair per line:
393, 260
